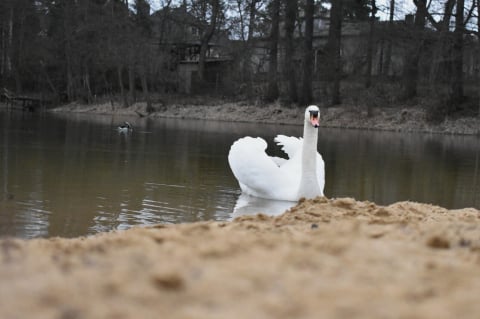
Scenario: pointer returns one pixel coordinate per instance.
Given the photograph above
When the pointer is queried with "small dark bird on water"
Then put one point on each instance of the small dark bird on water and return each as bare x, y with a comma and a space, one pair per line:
125, 127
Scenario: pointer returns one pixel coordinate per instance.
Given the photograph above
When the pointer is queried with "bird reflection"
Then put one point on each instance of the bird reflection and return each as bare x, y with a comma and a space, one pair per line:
250, 205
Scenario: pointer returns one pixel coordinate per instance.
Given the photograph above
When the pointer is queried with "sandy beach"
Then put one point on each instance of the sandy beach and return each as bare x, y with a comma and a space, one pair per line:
324, 258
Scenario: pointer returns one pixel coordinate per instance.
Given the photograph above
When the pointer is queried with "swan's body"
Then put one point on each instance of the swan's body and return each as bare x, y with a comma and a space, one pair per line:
301, 175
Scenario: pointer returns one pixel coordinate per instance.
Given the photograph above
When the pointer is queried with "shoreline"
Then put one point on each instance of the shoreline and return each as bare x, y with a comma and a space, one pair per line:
394, 119
408, 120
397, 119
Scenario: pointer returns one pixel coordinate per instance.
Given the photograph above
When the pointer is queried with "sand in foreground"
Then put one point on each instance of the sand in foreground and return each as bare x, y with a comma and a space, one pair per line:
335, 258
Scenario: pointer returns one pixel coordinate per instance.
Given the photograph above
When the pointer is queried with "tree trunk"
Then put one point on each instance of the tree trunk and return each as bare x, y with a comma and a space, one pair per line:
478, 55
120, 85
251, 19
333, 47
290, 17
205, 39
10, 41
413, 54
247, 65
132, 96
272, 93
7, 39
2, 50
241, 20
87, 87
307, 96
49, 81
388, 51
456, 95
368, 81
442, 55
146, 94
18, 36
202, 60
71, 91
165, 16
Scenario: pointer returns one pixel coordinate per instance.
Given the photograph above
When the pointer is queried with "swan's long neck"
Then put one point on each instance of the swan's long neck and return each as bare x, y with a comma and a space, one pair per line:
308, 181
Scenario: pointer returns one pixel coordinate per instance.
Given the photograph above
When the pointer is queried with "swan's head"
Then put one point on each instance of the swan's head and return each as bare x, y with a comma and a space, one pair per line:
312, 115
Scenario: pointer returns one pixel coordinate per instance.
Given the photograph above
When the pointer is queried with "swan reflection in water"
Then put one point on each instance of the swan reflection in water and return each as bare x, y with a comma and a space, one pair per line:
250, 205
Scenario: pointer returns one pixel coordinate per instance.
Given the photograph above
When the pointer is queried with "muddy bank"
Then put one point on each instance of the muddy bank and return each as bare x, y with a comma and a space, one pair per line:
388, 118
330, 258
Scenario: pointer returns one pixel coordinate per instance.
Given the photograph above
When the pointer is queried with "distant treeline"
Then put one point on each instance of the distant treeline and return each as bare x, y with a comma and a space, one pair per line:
295, 51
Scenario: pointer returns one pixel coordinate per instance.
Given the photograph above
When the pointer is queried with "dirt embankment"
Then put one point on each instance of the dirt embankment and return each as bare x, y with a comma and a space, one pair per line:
324, 258
406, 119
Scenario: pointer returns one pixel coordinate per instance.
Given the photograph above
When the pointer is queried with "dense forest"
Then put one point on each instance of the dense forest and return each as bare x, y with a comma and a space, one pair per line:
294, 51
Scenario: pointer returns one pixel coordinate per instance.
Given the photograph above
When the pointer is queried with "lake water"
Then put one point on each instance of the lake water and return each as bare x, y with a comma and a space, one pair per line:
72, 175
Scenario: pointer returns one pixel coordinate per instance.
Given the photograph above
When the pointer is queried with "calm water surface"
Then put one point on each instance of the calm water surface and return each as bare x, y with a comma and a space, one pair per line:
72, 175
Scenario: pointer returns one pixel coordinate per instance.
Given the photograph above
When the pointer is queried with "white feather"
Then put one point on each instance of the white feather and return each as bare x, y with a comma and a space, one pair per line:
290, 144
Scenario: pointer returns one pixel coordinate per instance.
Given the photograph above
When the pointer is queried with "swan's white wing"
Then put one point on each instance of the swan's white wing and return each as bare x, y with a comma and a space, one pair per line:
290, 144
256, 172
278, 160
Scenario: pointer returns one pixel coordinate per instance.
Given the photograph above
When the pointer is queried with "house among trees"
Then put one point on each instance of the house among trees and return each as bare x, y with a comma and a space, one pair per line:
179, 34
353, 41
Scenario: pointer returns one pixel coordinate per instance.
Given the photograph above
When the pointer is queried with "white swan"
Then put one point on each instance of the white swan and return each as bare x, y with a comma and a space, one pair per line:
260, 175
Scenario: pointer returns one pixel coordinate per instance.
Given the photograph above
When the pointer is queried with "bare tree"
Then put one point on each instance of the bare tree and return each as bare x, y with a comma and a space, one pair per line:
368, 81
478, 55
388, 52
290, 18
411, 74
333, 49
6, 17
207, 34
132, 94
247, 11
69, 52
307, 95
272, 92
456, 94
239, 4
450, 49
146, 92
252, 13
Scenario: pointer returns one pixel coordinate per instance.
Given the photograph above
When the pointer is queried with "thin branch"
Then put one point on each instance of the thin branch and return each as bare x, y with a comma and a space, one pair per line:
430, 18
470, 13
